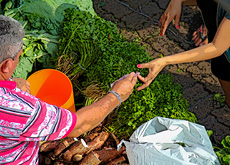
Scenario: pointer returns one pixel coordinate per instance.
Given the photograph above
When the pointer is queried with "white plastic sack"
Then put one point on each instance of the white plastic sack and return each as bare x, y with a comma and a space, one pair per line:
158, 142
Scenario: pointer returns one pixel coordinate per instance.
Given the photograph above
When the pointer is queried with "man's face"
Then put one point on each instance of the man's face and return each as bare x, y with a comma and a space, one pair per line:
15, 62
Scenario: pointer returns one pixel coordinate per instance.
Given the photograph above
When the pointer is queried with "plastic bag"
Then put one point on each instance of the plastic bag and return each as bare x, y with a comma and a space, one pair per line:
163, 141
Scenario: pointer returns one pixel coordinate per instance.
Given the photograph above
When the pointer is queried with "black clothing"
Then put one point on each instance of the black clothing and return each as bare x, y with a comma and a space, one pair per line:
220, 66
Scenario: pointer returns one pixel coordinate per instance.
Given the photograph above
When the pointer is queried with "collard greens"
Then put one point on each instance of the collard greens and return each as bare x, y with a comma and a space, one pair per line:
41, 20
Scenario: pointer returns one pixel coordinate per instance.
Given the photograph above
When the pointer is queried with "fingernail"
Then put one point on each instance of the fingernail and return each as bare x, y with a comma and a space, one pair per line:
178, 27
161, 34
139, 65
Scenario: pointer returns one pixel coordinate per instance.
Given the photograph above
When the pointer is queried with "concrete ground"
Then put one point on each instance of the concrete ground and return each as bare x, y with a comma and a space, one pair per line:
138, 20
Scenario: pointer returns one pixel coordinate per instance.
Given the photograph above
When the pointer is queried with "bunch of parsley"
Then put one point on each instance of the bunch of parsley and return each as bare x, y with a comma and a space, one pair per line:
119, 57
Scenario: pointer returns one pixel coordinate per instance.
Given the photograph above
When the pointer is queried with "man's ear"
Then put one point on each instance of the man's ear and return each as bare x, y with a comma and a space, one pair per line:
6, 66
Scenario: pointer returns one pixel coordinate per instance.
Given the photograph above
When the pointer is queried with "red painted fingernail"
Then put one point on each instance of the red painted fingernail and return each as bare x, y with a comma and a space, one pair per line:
161, 34
139, 65
178, 27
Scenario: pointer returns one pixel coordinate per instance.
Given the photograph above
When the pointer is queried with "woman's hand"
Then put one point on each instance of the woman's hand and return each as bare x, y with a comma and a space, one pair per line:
125, 87
200, 36
173, 11
155, 67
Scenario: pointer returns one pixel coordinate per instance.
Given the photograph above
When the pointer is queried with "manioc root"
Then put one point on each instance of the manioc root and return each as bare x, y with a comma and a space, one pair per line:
49, 145
63, 145
78, 147
91, 159
48, 161
90, 137
45, 160
115, 138
98, 141
117, 161
106, 154
77, 157
101, 156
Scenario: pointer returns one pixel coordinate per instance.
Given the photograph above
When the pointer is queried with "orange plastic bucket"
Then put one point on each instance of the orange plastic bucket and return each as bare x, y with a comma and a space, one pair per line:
53, 87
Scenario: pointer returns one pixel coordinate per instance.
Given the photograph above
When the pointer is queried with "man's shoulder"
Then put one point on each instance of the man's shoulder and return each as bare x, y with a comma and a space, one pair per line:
17, 99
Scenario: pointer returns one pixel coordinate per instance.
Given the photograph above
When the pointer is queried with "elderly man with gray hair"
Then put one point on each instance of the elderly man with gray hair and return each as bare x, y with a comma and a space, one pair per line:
25, 120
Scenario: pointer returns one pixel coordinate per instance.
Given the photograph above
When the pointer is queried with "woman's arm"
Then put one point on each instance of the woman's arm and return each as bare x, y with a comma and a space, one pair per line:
220, 44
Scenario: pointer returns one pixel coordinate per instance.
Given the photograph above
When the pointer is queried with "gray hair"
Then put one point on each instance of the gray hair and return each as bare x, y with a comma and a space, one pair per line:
11, 37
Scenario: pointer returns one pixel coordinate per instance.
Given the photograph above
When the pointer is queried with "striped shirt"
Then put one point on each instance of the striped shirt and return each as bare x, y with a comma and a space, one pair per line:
24, 121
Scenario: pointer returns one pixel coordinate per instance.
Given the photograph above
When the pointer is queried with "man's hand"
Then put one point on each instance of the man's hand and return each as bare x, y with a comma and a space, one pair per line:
22, 84
92, 115
125, 87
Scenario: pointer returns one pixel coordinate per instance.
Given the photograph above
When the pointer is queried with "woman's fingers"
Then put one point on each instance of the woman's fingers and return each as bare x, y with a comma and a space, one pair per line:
196, 37
142, 87
155, 66
146, 81
162, 19
198, 41
177, 20
164, 24
145, 65
141, 78
200, 36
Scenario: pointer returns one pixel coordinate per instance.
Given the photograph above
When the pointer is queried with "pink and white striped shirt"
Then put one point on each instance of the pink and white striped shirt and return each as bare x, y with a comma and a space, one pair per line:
24, 121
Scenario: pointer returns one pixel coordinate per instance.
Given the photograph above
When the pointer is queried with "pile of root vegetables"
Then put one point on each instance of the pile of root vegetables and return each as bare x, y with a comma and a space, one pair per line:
98, 147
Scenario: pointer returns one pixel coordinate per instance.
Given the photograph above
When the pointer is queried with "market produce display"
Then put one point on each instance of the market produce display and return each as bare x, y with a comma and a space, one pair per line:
41, 20
115, 58
87, 150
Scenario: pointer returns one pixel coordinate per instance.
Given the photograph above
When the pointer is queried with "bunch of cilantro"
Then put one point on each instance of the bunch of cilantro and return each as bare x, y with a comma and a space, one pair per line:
118, 57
